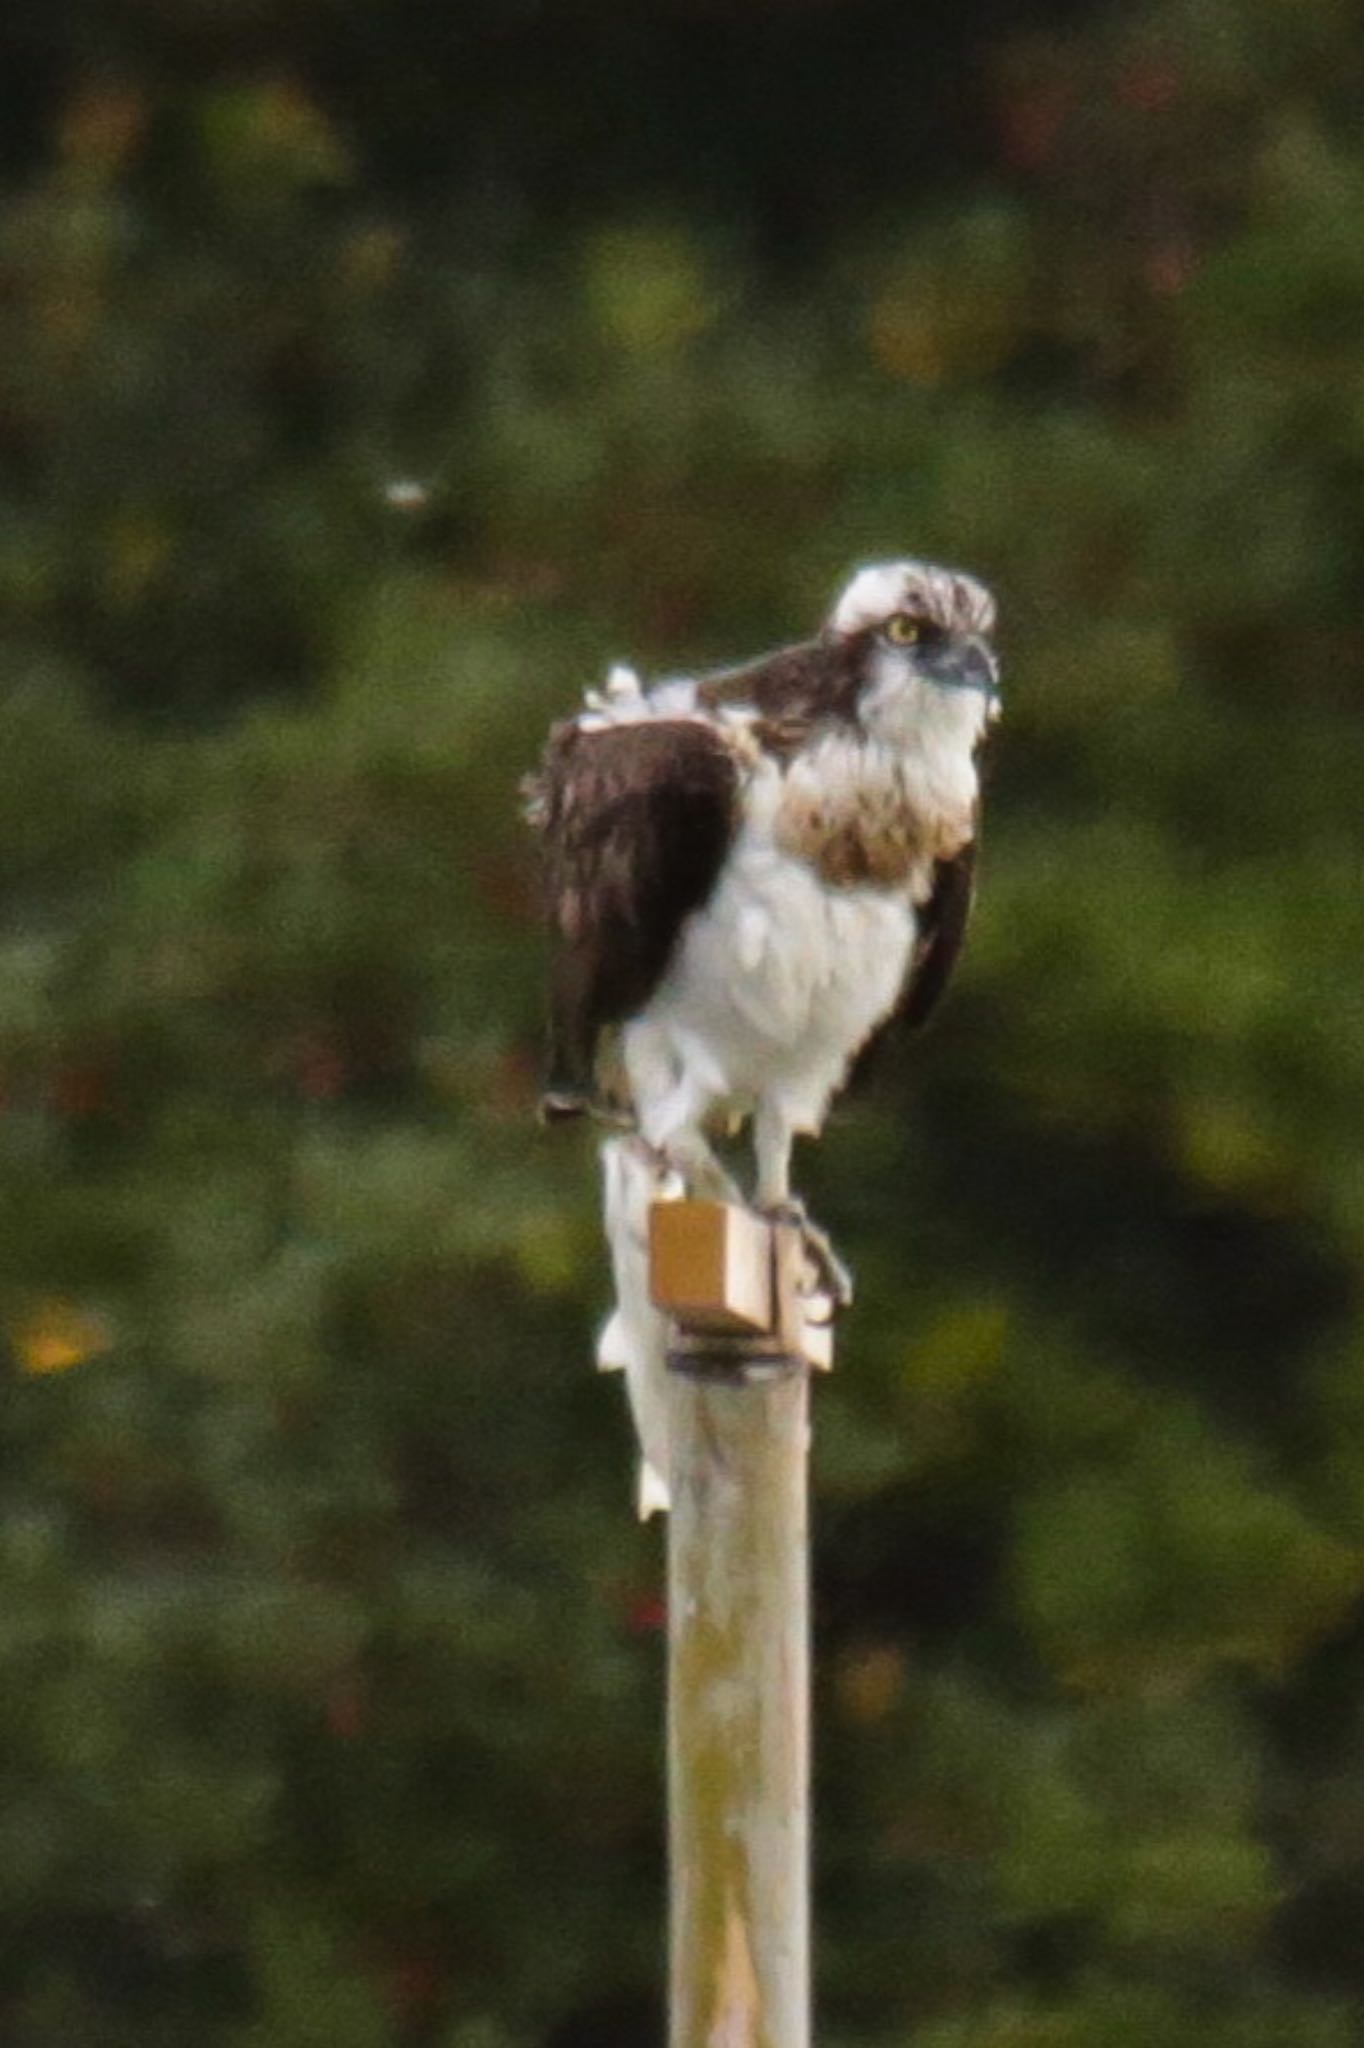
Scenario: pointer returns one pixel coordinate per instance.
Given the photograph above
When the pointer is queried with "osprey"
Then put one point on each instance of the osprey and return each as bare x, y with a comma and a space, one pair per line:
749, 875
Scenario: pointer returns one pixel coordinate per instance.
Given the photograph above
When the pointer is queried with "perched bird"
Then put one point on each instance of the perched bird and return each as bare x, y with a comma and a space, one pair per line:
749, 875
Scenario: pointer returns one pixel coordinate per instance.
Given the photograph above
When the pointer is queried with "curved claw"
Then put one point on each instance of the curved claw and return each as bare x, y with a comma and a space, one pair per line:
826, 1276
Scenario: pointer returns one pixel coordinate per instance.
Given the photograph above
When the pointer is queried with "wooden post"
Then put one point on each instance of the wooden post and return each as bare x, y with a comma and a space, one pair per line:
738, 1625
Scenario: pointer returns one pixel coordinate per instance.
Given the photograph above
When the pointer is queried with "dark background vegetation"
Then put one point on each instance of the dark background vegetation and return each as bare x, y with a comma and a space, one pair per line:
372, 371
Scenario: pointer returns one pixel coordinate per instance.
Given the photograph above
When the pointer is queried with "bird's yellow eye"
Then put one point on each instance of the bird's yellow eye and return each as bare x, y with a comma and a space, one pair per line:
904, 629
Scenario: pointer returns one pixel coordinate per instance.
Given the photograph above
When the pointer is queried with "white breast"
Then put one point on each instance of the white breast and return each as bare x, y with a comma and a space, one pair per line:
777, 982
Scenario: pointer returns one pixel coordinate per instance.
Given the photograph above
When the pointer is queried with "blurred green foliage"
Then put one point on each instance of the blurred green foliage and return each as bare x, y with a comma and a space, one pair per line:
369, 376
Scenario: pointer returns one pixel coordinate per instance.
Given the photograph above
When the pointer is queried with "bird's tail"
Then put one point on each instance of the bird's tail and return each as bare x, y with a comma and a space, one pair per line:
635, 1338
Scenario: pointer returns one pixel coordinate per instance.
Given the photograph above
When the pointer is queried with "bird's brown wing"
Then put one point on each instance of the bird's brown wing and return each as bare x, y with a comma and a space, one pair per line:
942, 933
793, 690
635, 821
937, 948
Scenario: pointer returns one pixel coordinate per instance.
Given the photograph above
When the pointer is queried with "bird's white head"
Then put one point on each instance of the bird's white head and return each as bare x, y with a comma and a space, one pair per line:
926, 655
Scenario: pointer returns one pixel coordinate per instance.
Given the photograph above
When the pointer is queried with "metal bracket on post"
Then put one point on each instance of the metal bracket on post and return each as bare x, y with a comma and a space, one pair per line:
746, 1327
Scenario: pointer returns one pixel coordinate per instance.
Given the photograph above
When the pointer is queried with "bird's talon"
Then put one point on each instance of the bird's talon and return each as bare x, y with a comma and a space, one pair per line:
831, 1308
825, 1276
834, 1282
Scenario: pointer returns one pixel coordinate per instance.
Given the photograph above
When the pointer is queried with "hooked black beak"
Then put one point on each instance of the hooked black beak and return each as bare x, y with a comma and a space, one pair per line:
963, 664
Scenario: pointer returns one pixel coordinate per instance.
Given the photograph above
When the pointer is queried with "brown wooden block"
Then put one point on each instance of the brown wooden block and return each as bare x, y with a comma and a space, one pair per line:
710, 1266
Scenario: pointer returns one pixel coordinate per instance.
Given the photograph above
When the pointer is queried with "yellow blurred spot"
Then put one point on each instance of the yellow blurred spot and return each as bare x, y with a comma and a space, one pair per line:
272, 131
371, 258
928, 331
56, 1335
1223, 1149
955, 305
550, 1251
68, 314
869, 1682
649, 289
905, 341
137, 545
960, 1347
100, 127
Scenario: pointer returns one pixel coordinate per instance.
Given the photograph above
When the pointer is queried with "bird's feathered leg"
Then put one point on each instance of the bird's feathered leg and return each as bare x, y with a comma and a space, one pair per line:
672, 1102
773, 1138
688, 1151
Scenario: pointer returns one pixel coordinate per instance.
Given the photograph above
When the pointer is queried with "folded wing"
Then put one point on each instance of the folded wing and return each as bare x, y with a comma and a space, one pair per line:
636, 819
942, 933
